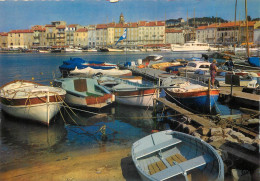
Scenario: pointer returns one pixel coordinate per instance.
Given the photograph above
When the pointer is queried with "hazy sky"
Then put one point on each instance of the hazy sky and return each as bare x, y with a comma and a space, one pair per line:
22, 14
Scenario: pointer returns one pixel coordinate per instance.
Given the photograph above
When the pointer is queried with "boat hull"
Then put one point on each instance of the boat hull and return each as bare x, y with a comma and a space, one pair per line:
99, 102
254, 61
143, 98
198, 100
41, 113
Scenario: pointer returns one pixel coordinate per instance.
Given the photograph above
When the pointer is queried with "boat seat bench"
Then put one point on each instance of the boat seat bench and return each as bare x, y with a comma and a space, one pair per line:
159, 166
179, 168
157, 147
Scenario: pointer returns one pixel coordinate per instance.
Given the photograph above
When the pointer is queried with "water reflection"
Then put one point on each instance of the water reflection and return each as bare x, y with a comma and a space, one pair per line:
15, 131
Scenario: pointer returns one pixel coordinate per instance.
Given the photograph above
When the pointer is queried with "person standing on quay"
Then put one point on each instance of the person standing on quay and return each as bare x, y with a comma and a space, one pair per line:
213, 71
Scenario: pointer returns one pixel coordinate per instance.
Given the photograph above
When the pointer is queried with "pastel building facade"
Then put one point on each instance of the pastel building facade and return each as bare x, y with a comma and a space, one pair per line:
20, 39
81, 37
3, 40
174, 36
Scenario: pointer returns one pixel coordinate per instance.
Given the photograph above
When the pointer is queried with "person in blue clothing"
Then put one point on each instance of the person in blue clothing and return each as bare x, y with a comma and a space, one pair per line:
229, 64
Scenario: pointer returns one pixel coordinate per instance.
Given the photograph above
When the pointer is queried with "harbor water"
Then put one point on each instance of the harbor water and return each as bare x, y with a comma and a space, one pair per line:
22, 142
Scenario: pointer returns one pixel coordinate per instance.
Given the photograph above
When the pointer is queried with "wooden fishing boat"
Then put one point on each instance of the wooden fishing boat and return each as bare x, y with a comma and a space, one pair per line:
173, 155
164, 65
30, 100
85, 92
190, 93
90, 72
129, 93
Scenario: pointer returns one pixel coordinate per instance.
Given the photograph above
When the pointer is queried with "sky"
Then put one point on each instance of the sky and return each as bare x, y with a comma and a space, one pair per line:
23, 14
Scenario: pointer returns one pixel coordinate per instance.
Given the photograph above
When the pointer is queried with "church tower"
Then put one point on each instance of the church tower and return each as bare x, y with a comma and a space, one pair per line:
121, 19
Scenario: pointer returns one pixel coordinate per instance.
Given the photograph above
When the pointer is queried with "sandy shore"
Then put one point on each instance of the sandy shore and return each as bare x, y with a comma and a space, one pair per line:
109, 165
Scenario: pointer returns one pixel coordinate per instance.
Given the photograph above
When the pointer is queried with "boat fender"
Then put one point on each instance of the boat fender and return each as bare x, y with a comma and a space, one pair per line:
155, 130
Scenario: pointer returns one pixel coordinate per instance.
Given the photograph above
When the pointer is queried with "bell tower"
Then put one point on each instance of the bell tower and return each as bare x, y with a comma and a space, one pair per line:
121, 18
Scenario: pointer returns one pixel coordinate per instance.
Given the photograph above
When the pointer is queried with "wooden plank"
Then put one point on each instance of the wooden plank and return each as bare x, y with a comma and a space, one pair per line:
182, 158
161, 165
175, 158
240, 94
155, 167
200, 120
170, 160
152, 171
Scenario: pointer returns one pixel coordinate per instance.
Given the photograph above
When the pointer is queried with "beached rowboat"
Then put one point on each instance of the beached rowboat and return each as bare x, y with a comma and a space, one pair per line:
30, 100
170, 155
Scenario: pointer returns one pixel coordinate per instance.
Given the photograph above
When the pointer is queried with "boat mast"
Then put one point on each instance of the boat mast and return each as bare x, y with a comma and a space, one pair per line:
247, 45
234, 37
194, 26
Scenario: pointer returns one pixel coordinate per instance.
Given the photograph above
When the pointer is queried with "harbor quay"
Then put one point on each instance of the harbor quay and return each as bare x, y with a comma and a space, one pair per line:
83, 144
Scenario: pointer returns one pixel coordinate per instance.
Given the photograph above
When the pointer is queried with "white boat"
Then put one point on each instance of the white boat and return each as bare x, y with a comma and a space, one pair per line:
193, 66
152, 59
115, 50
128, 92
192, 46
29, 100
92, 50
85, 92
44, 51
72, 49
243, 49
170, 155
90, 72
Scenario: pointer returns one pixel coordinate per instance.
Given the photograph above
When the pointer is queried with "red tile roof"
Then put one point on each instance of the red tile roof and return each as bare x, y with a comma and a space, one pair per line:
38, 28
173, 31
3, 34
151, 23
61, 27
101, 26
202, 27
82, 30
72, 25
21, 31
49, 25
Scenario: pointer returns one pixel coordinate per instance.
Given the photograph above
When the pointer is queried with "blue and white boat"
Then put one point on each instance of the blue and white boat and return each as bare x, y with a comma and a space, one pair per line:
254, 61
170, 155
80, 63
190, 93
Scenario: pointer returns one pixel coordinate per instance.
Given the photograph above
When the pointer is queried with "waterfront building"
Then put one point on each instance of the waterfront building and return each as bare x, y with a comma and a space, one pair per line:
60, 36
174, 36
151, 32
20, 39
101, 35
132, 34
91, 42
50, 34
111, 34
225, 33
69, 33
257, 34
119, 30
39, 39
3, 40
81, 37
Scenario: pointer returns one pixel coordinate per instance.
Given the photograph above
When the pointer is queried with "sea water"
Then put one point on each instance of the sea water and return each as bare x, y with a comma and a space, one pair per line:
71, 130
